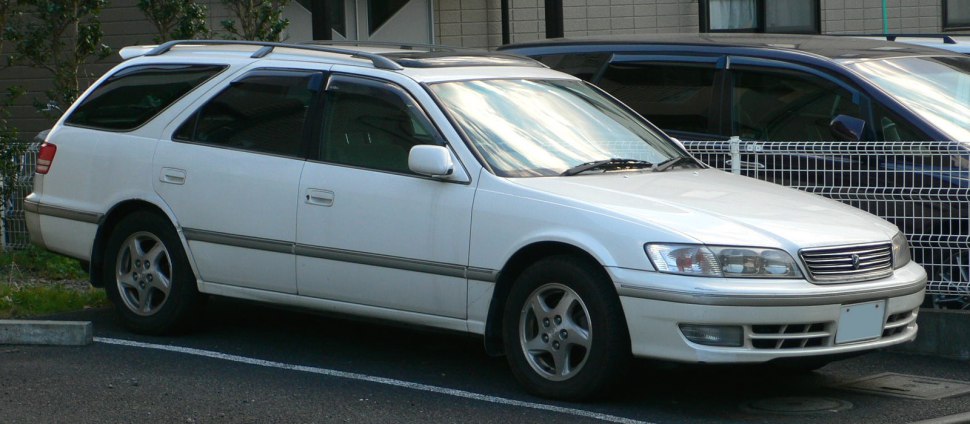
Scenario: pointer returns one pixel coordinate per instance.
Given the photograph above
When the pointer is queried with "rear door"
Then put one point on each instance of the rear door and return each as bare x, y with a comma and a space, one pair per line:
231, 175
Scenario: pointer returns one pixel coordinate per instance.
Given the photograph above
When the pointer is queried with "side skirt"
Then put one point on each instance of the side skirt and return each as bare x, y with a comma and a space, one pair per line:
343, 308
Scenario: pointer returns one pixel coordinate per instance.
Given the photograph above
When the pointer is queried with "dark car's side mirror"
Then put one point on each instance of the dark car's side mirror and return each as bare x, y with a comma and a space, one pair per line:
847, 128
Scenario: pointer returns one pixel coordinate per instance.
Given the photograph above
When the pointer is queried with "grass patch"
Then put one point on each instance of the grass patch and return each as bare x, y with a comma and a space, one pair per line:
38, 263
36, 282
22, 302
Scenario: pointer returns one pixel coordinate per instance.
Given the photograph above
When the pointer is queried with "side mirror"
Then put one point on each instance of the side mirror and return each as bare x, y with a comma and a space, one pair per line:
433, 161
847, 128
678, 142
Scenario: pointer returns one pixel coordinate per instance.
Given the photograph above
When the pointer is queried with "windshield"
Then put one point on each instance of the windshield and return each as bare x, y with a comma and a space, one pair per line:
527, 128
936, 88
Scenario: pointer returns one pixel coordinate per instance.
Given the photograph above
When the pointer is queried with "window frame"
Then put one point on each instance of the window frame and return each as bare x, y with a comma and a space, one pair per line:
945, 20
83, 101
715, 127
704, 24
745, 63
316, 144
313, 114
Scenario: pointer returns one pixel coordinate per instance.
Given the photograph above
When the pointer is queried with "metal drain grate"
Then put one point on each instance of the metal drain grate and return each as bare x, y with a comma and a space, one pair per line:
796, 406
908, 386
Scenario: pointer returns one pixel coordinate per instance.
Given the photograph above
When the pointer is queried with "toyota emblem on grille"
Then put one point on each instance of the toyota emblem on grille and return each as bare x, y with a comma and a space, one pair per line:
855, 262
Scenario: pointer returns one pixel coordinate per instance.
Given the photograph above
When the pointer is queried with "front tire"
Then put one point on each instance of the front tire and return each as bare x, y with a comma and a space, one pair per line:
564, 330
147, 275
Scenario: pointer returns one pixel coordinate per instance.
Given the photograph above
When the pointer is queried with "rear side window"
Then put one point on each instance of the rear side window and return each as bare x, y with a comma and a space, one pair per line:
134, 95
674, 96
264, 111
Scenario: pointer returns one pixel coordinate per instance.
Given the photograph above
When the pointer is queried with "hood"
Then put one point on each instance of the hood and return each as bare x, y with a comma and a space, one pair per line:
714, 207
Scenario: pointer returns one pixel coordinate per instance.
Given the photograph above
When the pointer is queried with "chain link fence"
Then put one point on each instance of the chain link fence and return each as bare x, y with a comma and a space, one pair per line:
922, 187
14, 225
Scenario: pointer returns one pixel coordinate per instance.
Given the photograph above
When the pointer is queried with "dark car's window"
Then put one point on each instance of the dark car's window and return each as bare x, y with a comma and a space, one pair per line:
674, 96
581, 65
892, 128
371, 124
134, 95
781, 105
263, 112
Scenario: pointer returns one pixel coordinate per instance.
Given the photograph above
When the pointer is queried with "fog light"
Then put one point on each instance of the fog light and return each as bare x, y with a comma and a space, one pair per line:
713, 335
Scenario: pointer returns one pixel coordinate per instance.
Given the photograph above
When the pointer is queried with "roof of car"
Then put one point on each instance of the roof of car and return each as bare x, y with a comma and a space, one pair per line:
833, 47
380, 55
423, 63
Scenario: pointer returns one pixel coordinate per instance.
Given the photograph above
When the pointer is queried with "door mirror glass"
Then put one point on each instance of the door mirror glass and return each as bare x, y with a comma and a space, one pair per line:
433, 161
847, 128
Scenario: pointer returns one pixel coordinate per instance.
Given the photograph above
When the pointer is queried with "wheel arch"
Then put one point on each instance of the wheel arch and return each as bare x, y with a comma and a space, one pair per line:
522, 259
108, 223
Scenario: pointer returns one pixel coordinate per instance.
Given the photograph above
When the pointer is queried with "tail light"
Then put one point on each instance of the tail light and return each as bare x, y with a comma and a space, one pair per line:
45, 158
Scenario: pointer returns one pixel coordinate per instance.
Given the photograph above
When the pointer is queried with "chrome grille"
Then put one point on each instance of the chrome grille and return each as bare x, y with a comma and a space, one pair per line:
849, 263
790, 336
819, 335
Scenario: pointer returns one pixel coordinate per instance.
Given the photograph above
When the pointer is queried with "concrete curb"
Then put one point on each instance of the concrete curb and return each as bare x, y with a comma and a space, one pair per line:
61, 333
949, 419
942, 332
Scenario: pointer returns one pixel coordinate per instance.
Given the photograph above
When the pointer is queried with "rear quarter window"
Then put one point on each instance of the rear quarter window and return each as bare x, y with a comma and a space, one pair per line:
135, 95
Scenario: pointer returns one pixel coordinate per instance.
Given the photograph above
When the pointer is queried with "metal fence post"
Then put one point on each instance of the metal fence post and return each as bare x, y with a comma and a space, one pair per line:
735, 155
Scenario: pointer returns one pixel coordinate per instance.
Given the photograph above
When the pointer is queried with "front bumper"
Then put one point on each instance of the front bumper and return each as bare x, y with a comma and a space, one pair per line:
779, 319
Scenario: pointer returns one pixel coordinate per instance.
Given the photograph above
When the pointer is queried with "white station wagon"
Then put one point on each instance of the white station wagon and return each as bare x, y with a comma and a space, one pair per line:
476, 192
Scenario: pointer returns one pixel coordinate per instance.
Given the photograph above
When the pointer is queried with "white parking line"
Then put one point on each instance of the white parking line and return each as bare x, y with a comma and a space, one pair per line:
371, 379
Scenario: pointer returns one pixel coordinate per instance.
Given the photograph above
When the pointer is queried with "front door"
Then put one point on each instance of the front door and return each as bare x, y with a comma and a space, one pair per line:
400, 21
370, 232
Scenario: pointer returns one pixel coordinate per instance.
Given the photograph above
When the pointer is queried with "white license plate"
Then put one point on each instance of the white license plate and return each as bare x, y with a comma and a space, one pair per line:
861, 321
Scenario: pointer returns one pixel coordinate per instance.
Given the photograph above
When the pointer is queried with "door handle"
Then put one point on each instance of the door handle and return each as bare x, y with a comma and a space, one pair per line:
318, 197
172, 176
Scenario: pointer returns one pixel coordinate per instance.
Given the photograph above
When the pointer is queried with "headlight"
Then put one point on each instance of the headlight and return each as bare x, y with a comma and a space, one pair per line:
722, 261
901, 255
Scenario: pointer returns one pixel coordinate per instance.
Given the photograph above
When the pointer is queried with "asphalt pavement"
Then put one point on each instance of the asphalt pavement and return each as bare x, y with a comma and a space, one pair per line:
248, 363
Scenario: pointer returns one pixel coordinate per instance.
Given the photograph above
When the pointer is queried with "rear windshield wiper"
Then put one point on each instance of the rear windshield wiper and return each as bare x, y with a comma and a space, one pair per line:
607, 164
670, 163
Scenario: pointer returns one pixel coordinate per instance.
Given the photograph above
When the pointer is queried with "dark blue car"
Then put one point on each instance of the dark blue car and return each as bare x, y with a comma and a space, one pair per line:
883, 126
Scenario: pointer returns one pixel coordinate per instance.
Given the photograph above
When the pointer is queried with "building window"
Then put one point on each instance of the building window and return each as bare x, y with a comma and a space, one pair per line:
956, 14
777, 16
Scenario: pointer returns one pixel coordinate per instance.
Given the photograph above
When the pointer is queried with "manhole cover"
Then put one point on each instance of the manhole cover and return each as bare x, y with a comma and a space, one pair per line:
796, 405
908, 386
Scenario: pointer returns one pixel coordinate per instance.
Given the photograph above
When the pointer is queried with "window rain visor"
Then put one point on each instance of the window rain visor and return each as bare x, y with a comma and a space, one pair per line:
936, 88
528, 128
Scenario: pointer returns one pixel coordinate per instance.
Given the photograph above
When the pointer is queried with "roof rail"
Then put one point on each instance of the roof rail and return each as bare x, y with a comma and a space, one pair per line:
947, 38
389, 44
379, 61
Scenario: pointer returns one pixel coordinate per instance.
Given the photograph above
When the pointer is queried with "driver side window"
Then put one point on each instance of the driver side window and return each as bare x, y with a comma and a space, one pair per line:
371, 124
781, 105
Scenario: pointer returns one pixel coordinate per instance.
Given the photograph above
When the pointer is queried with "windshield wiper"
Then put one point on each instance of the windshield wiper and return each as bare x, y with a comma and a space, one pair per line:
670, 163
606, 164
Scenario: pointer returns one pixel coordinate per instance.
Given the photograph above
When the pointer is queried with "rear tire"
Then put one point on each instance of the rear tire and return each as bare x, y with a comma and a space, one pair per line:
147, 275
564, 330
